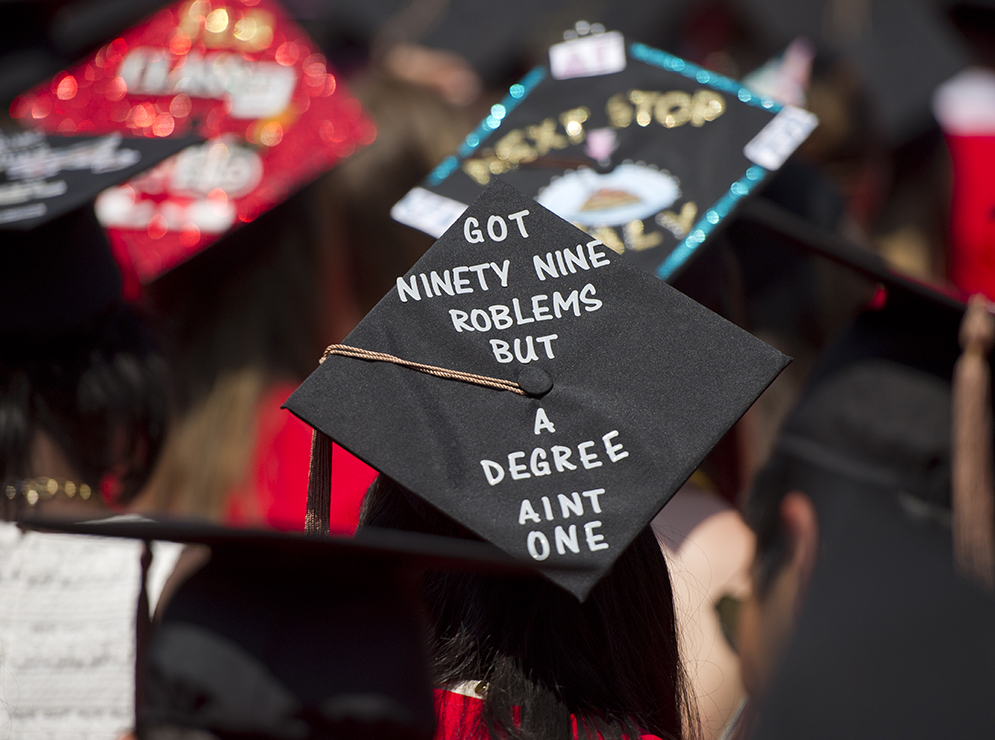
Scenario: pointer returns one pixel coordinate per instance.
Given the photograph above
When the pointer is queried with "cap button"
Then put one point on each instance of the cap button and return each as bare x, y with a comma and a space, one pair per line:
534, 381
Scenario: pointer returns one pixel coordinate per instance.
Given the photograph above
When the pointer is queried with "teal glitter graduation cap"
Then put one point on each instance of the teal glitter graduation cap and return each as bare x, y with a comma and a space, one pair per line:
643, 150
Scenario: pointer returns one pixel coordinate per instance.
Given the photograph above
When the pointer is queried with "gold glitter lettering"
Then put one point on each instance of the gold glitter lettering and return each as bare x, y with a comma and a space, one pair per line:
545, 137
513, 148
673, 109
670, 109
707, 105
644, 102
609, 237
679, 224
478, 170
637, 240
573, 123
619, 111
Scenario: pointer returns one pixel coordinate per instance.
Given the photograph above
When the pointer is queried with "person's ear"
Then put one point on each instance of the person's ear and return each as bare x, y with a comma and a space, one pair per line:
801, 528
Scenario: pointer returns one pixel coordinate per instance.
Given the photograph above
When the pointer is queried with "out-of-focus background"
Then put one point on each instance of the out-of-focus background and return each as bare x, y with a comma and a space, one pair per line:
898, 168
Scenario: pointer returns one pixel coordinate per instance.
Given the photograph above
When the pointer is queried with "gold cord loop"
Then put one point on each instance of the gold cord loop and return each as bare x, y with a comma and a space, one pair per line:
440, 372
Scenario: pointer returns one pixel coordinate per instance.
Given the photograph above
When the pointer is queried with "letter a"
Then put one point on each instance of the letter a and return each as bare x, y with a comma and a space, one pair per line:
543, 422
527, 513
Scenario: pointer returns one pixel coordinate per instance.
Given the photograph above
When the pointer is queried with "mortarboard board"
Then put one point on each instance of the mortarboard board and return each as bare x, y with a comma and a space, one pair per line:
56, 266
891, 642
875, 413
598, 388
286, 636
241, 74
765, 223
645, 151
902, 48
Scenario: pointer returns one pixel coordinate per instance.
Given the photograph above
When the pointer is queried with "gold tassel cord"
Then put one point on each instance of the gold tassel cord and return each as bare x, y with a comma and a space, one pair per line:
319, 488
440, 372
973, 490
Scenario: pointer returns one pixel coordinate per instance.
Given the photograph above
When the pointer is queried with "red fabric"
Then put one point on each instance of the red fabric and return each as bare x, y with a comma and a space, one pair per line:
972, 214
276, 486
459, 718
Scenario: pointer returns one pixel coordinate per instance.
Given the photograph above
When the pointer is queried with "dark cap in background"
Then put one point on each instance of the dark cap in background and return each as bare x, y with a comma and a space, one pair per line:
56, 267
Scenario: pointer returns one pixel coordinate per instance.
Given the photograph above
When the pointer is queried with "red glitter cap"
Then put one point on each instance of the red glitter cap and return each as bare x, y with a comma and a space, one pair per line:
240, 73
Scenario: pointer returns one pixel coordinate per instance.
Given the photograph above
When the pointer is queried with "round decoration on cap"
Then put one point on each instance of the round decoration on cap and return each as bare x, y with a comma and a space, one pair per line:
535, 381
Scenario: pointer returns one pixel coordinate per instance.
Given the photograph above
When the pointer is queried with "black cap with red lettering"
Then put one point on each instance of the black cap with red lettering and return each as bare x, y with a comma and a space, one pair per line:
534, 386
646, 151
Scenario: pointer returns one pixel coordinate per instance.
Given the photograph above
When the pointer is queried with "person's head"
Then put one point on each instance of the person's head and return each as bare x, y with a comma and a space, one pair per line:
94, 398
83, 388
612, 661
874, 430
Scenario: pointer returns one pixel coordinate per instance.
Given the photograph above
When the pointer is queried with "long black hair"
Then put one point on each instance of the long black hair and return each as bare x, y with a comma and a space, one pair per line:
611, 664
100, 393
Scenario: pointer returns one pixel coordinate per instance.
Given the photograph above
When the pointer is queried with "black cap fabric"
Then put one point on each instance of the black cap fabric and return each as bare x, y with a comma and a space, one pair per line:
259, 644
628, 384
56, 267
875, 414
43, 176
286, 636
903, 49
763, 226
650, 159
891, 642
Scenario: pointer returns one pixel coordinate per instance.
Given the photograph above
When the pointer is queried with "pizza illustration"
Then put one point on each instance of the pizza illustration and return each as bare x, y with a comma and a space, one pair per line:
608, 198
630, 192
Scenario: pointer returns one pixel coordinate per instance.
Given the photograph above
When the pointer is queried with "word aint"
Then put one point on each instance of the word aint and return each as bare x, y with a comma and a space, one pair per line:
564, 537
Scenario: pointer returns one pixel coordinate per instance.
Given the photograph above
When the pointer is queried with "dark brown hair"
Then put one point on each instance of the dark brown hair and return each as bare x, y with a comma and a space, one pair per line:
99, 393
611, 663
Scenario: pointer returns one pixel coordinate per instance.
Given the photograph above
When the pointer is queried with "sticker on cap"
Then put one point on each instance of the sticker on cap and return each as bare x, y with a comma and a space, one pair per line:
427, 211
778, 139
588, 56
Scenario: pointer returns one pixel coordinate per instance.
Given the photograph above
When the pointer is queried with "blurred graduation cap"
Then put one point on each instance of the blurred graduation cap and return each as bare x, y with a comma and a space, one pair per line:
891, 642
875, 414
56, 267
765, 224
241, 74
287, 636
534, 386
643, 150
902, 48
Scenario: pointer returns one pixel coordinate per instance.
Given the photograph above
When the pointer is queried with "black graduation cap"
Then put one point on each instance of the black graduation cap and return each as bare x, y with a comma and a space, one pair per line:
764, 224
281, 635
875, 415
56, 267
903, 49
891, 642
649, 153
598, 388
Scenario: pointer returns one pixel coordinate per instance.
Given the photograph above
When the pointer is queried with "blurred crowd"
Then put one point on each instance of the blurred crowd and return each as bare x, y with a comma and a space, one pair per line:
810, 560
